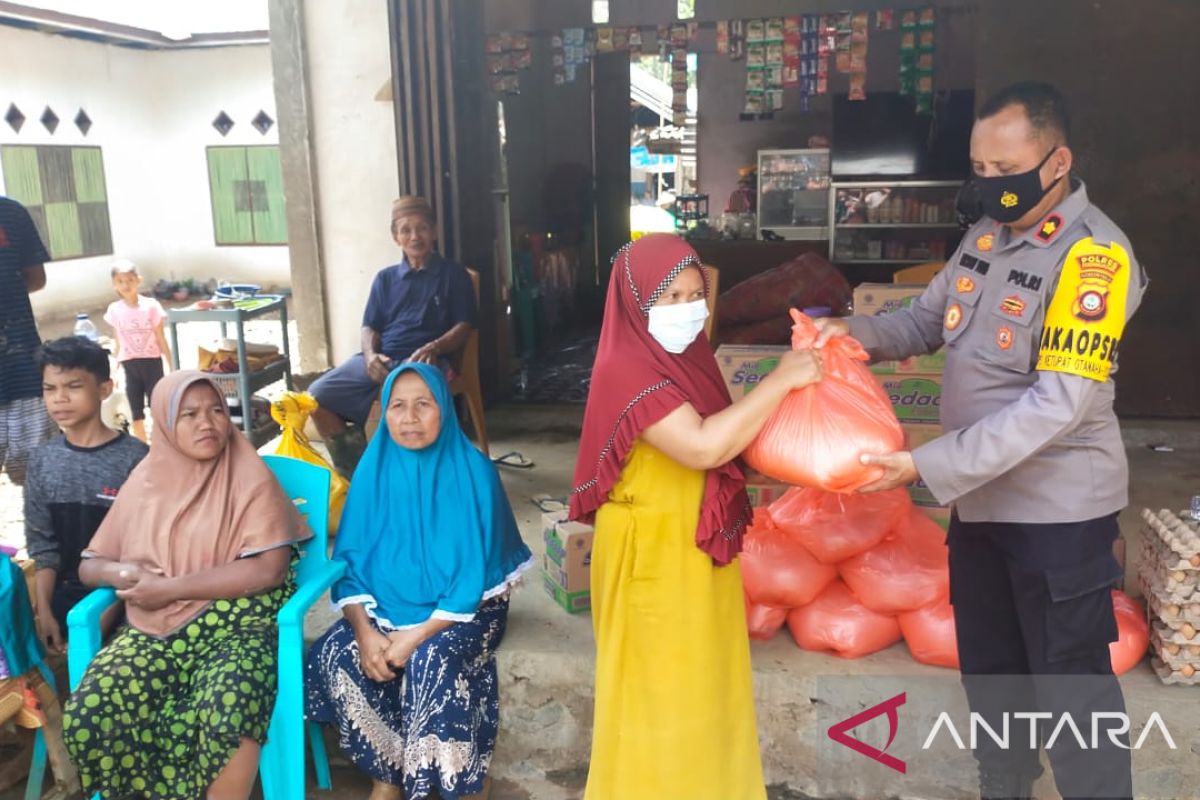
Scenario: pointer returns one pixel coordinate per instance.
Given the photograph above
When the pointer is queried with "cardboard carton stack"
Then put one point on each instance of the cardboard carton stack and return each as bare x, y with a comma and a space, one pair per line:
1170, 578
914, 384
742, 367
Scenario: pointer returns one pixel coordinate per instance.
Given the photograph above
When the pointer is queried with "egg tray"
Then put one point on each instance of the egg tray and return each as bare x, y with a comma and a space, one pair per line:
1163, 555
1159, 582
1175, 655
1172, 635
1157, 559
1179, 534
1170, 676
1171, 612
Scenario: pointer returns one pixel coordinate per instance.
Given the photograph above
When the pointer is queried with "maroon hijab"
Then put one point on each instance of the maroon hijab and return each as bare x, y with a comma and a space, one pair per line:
635, 383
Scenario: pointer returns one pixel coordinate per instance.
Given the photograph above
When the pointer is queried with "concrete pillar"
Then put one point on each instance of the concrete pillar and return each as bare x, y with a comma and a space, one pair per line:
338, 144
299, 181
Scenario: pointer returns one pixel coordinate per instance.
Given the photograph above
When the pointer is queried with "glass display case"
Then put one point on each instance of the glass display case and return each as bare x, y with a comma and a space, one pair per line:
793, 193
892, 223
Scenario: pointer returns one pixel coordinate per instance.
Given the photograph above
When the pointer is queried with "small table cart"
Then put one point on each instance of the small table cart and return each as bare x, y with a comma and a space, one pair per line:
242, 384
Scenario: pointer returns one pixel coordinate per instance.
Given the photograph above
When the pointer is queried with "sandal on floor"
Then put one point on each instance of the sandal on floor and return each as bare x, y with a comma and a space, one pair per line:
514, 460
547, 504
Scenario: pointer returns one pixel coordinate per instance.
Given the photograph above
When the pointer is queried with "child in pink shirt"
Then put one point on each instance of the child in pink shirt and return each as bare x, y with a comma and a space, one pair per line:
141, 345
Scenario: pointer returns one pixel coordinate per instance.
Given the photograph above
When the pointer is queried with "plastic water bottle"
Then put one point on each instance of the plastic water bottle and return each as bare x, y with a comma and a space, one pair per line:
85, 328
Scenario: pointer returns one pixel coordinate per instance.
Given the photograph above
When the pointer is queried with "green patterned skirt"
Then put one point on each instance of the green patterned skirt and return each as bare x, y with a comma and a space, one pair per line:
160, 718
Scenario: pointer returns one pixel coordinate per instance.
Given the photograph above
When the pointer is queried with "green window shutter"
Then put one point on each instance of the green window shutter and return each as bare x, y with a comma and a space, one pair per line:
66, 241
89, 174
233, 221
266, 180
22, 178
64, 191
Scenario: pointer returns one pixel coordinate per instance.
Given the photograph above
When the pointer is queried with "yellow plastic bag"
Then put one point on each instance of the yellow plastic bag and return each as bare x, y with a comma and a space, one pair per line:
291, 411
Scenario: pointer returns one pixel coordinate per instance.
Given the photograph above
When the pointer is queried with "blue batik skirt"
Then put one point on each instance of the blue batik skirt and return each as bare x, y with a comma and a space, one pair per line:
431, 728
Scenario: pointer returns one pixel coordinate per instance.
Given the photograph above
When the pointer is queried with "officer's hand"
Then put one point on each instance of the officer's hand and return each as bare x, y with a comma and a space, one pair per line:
898, 470
829, 327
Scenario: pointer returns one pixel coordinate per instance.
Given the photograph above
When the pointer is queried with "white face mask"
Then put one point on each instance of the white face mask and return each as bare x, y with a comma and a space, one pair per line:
676, 326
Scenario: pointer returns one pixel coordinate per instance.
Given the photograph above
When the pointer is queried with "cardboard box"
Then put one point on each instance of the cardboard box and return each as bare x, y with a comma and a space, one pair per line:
763, 490
1119, 555
743, 366
932, 364
939, 514
568, 563
550, 519
572, 602
915, 398
915, 435
873, 299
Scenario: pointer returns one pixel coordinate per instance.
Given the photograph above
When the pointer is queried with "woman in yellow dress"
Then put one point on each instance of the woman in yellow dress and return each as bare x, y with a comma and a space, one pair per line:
674, 715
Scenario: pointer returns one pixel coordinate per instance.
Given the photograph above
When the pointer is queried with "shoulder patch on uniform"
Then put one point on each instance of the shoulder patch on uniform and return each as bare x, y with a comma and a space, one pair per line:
1086, 317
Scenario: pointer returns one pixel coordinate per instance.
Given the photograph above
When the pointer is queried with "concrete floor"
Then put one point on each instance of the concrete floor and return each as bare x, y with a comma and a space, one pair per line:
546, 660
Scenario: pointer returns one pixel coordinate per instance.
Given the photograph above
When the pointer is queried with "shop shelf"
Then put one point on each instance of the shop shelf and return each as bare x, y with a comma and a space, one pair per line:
857, 225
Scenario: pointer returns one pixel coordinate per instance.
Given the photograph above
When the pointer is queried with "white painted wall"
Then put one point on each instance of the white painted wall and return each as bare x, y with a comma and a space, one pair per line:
354, 139
151, 112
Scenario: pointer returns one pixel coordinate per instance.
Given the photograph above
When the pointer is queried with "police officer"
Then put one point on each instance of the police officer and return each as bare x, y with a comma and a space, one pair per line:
1030, 309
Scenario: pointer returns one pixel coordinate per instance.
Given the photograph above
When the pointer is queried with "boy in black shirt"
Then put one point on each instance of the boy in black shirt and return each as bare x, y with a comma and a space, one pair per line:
72, 479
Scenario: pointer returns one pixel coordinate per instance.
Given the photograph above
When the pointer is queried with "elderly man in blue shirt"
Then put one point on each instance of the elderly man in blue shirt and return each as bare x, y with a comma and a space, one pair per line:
422, 309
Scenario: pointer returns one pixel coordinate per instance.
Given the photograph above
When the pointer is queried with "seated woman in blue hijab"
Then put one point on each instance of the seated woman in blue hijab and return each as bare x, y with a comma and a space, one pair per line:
432, 548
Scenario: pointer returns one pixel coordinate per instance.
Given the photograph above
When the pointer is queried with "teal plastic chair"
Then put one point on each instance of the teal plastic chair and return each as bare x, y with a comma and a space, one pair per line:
283, 756
23, 652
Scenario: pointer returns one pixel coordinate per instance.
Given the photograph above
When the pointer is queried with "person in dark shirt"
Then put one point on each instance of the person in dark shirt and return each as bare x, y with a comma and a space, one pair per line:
73, 478
23, 421
422, 309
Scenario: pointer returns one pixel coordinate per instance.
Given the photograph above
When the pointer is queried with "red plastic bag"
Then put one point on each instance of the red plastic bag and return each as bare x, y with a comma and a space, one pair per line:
838, 623
834, 527
763, 622
905, 571
818, 433
777, 570
930, 636
1133, 633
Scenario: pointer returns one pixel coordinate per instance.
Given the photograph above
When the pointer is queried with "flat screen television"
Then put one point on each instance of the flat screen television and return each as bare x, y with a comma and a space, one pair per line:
884, 137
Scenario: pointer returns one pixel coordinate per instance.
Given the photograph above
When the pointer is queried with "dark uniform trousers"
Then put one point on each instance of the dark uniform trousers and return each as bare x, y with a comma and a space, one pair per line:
1032, 604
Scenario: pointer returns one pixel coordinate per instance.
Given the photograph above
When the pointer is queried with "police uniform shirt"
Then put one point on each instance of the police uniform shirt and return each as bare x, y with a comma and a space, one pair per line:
1031, 324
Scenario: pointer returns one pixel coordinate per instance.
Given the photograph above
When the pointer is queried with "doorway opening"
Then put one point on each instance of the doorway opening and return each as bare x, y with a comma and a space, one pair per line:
662, 142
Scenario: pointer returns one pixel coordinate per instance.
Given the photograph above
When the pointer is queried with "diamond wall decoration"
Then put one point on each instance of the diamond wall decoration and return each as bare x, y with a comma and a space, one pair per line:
50, 119
83, 122
14, 117
262, 122
223, 123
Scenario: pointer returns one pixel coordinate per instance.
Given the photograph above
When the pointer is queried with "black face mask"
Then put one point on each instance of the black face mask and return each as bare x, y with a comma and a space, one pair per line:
1007, 198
